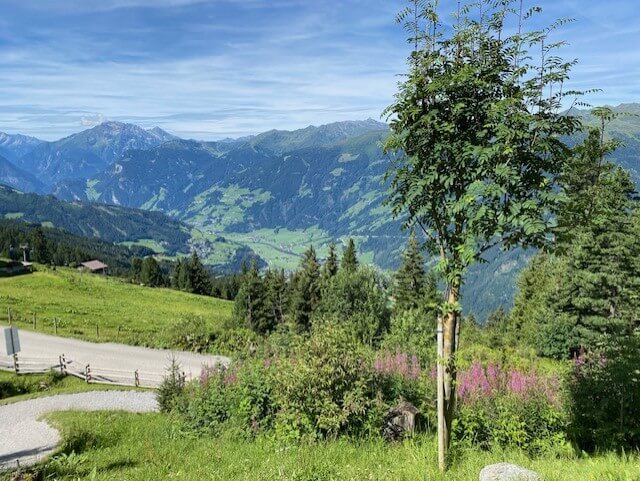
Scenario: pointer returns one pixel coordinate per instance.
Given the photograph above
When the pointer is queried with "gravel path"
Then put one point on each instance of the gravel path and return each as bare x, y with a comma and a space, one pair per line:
25, 438
151, 363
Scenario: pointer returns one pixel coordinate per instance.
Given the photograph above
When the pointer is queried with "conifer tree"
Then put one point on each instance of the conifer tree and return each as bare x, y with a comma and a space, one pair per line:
200, 281
306, 290
136, 269
349, 261
330, 267
150, 273
411, 279
250, 302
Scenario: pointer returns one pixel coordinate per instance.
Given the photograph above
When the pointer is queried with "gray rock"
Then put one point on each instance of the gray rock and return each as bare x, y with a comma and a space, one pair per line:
507, 472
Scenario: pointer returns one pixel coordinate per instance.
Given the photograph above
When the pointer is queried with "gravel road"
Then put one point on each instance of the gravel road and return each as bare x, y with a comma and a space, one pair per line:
25, 438
111, 356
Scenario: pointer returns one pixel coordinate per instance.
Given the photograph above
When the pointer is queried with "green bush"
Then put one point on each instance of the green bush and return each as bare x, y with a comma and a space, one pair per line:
326, 388
191, 334
604, 388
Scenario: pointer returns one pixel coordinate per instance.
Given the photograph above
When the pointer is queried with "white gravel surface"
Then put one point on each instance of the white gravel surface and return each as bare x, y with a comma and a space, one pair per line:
26, 439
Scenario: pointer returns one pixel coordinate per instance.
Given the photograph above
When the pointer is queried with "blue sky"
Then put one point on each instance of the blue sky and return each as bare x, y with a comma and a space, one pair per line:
219, 68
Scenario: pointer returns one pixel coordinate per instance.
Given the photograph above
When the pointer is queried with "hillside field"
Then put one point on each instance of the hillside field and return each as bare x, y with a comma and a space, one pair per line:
81, 301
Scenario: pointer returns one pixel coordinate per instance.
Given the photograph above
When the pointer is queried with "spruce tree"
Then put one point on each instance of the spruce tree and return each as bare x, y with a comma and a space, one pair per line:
350, 257
306, 290
411, 279
330, 267
200, 279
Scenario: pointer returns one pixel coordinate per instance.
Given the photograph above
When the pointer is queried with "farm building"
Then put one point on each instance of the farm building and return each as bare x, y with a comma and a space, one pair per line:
94, 266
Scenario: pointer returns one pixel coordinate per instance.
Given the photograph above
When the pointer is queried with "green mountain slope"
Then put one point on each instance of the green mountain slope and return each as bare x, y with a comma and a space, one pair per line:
280, 191
109, 223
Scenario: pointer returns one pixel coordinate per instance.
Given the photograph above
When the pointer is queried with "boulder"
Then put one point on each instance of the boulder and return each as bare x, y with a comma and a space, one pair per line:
507, 472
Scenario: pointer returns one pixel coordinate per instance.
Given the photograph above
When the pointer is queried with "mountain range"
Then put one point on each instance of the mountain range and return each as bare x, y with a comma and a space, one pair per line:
271, 194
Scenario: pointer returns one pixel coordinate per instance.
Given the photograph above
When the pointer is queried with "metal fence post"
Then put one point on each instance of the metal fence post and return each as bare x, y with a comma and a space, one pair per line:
16, 366
87, 374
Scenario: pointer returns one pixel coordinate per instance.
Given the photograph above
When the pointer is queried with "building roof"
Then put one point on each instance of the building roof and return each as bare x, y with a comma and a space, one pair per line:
94, 265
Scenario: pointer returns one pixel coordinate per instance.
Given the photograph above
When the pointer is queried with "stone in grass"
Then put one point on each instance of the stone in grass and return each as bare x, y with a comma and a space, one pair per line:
507, 472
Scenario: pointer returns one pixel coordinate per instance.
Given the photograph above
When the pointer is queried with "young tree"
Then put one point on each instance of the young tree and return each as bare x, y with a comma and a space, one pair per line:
476, 129
350, 257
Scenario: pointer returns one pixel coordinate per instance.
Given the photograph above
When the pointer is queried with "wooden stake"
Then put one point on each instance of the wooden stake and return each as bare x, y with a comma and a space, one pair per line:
9, 314
442, 445
97, 331
34, 321
55, 326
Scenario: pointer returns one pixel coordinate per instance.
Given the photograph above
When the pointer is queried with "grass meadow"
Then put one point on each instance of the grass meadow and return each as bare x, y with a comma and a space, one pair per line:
123, 312
139, 447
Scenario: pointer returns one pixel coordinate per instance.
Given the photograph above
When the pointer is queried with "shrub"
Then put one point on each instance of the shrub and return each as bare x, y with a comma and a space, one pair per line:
326, 388
204, 403
604, 387
191, 334
508, 409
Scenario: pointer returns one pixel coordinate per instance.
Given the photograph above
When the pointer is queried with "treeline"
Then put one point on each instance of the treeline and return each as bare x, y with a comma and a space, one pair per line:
60, 248
186, 274
341, 290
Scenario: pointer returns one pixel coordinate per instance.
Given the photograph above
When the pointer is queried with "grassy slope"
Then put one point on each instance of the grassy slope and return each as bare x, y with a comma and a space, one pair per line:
81, 301
141, 447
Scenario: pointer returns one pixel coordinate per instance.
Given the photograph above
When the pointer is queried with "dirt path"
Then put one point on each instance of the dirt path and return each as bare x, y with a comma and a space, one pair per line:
25, 439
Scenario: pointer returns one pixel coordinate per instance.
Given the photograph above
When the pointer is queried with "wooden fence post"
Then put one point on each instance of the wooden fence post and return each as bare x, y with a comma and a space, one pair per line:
118, 335
97, 331
137, 378
55, 326
16, 366
9, 314
64, 364
34, 321
87, 373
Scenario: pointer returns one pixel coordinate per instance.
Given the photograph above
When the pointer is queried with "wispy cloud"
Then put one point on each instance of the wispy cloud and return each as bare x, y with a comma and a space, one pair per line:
212, 69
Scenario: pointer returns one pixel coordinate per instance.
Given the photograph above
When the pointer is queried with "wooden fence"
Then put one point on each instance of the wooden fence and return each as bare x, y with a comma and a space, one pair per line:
86, 372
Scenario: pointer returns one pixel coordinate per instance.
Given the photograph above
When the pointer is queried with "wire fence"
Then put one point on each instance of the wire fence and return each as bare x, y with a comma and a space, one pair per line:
87, 329
91, 374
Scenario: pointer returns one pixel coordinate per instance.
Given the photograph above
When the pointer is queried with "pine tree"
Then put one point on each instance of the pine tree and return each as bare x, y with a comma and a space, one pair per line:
200, 281
250, 302
330, 267
411, 280
40, 251
306, 290
349, 257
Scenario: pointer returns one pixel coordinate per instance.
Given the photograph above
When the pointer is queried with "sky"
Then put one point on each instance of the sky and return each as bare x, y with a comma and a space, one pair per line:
227, 68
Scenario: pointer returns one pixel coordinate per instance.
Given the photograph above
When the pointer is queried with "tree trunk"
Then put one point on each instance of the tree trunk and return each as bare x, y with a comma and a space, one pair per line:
448, 332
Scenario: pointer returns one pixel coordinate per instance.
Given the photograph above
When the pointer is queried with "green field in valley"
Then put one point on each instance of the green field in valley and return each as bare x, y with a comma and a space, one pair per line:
139, 447
122, 311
